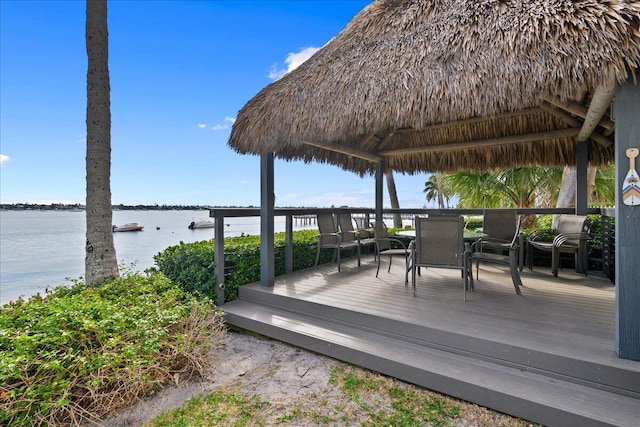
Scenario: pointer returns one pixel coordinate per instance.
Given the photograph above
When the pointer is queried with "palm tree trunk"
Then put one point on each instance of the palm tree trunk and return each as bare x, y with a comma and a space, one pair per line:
100, 255
440, 192
393, 197
567, 194
591, 181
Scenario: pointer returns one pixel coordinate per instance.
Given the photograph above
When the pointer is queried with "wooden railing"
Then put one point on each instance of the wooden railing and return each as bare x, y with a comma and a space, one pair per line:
367, 215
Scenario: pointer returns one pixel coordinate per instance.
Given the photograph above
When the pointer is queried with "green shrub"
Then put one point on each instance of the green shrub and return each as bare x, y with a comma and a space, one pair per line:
192, 266
80, 353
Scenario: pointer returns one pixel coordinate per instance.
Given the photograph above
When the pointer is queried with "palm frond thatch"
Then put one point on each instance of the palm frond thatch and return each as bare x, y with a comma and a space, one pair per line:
444, 85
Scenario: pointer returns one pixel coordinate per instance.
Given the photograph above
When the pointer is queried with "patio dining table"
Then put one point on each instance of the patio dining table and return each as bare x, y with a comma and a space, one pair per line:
469, 236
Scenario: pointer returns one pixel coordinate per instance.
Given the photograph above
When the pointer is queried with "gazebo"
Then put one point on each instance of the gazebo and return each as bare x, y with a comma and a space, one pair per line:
425, 86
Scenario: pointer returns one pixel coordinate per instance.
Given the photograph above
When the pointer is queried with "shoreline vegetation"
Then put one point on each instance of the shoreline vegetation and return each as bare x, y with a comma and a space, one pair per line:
118, 207
78, 355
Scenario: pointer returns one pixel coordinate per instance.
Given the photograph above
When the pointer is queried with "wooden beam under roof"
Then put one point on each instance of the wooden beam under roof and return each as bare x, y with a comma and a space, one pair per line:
574, 123
345, 149
484, 143
470, 120
581, 111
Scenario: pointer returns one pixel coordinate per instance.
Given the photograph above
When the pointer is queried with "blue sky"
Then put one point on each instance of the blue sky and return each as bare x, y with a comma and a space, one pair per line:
180, 71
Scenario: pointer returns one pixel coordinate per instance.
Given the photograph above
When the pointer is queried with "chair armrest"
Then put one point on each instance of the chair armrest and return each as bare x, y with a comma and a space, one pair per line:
537, 234
562, 238
390, 240
338, 236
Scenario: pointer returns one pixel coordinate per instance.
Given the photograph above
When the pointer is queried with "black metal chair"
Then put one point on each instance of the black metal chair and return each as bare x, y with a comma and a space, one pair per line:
498, 225
570, 236
487, 250
385, 247
329, 238
348, 232
439, 243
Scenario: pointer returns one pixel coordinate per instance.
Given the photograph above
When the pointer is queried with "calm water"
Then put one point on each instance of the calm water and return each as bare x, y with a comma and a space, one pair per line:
46, 248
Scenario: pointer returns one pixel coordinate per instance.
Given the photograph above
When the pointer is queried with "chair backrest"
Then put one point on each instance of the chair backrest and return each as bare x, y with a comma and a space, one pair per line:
381, 234
346, 227
440, 241
499, 224
326, 225
571, 224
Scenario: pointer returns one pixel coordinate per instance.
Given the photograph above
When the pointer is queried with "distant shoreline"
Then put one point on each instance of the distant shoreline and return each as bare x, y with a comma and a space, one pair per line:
119, 207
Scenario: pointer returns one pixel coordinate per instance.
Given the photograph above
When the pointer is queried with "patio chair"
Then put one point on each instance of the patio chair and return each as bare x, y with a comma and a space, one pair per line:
487, 250
498, 225
349, 233
439, 243
329, 238
570, 236
385, 247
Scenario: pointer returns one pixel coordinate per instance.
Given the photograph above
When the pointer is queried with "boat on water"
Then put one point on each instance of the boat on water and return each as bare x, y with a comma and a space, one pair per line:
201, 223
133, 226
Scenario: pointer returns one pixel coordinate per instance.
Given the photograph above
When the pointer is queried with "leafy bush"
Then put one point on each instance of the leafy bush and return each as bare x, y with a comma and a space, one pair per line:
80, 353
192, 266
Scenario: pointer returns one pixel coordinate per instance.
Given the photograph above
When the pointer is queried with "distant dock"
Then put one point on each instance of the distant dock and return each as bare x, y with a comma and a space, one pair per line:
304, 219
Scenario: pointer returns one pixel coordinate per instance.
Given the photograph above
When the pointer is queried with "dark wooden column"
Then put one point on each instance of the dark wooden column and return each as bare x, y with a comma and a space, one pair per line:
267, 202
627, 266
379, 189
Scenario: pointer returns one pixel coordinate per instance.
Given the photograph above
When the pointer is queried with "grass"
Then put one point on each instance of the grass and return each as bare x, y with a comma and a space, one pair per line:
351, 397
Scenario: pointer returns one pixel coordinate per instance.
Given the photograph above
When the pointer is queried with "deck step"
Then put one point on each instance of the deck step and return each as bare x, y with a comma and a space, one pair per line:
523, 393
619, 379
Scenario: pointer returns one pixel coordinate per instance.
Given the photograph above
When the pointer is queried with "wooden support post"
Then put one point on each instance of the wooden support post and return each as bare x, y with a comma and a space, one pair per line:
288, 243
218, 238
627, 267
582, 169
267, 202
379, 189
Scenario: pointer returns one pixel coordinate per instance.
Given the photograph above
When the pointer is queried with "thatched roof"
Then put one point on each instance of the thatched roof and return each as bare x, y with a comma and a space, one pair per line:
443, 85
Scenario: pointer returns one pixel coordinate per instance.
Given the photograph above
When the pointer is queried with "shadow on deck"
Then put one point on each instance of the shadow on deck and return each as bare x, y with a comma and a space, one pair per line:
546, 356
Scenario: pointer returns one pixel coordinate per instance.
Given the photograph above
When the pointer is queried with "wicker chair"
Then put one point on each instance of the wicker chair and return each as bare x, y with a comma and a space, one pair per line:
439, 243
384, 247
329, 238
570, 236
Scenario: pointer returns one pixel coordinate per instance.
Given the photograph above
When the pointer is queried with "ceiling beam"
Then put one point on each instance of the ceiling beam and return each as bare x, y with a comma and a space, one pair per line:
344, 149
574, 123
484, 143
471, 120
600, 102
580, 111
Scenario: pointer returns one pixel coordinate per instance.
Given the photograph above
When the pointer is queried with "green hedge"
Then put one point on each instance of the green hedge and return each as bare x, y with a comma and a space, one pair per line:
192, 266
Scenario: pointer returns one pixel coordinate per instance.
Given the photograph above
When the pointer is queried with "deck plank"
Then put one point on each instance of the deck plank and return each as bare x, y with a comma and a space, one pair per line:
556, 340
571, 314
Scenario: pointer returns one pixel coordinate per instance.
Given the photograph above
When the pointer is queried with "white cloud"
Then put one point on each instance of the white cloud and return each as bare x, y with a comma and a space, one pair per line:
202, 125
4, 160
220, 126
293, 61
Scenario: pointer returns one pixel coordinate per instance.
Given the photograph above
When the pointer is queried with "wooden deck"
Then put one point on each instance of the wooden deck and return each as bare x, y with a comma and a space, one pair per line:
546, 355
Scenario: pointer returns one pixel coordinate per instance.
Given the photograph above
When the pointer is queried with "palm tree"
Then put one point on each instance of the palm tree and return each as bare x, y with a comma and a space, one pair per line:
604, 188
393, 197
521, 187
434, 188
100, 255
